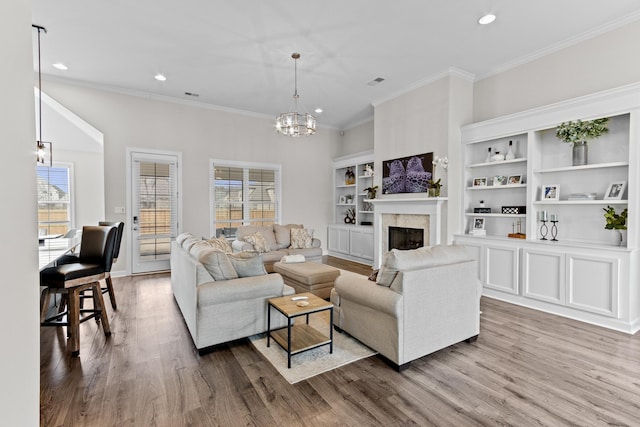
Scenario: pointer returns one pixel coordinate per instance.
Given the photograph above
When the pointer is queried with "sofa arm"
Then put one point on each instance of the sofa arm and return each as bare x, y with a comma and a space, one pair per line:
245, 288
363, 291
240, 246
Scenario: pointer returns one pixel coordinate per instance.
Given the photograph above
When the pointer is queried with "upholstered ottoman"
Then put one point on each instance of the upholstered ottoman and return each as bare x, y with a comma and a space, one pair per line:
308, 277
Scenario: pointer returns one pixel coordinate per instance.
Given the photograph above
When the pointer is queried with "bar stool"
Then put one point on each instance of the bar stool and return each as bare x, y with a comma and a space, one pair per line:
72, 278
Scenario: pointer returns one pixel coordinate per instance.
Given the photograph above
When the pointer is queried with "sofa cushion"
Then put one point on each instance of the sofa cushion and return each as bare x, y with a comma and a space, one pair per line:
300, 238
428, 256
283, 234
247, 264
220, 244
188, 242
266, 231
258, 241
217, 263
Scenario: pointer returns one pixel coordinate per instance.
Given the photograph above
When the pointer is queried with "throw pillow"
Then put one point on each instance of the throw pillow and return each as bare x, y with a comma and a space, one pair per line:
300, 238
258, 242
283, 234
220, 244
199, 246
247, 264
217, 263
182, 237
266, 231
374, 275
387, 273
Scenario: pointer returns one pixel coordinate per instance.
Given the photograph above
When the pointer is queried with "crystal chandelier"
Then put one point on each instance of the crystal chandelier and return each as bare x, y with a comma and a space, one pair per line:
293, 123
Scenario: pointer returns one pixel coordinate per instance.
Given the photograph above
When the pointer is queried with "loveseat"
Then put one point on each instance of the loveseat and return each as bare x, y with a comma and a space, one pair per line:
423, 300
222, 296
275, 241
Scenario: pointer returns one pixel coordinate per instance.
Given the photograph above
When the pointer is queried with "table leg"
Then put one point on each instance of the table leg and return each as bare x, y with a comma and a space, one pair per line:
331, 330
289, 342
268, 324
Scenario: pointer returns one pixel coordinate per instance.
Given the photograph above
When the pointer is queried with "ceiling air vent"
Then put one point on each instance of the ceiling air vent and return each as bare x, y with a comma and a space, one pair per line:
375, 81
195, 95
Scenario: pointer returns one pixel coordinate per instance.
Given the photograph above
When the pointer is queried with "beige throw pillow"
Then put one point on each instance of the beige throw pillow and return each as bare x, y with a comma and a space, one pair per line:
258, 241
220, 244
300, 238
283, 234
247, 264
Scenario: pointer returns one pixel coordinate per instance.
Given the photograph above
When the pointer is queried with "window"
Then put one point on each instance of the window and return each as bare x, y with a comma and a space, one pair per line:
54, 199
243, 194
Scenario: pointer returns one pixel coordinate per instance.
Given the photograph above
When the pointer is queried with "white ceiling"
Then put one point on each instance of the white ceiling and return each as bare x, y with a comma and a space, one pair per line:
236, 54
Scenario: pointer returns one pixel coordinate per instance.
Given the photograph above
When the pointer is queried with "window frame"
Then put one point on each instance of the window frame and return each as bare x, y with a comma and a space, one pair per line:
71, 203
277, 168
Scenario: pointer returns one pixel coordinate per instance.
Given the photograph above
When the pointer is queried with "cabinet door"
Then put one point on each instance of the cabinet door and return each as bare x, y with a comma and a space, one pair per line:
361, 244
593, 283
501, 268
544, 275
338, 240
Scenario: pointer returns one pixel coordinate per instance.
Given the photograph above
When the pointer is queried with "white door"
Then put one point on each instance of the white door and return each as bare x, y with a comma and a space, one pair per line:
154, 211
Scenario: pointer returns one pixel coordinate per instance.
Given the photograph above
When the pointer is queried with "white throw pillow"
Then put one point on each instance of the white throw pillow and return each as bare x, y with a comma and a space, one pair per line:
300, 238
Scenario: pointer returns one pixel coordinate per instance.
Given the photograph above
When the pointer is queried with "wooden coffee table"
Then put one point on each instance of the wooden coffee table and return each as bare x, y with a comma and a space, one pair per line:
300, 337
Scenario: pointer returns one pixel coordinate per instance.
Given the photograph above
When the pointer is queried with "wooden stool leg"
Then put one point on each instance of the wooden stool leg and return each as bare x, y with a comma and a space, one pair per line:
97, 296
45, 300
112, 294
73, 317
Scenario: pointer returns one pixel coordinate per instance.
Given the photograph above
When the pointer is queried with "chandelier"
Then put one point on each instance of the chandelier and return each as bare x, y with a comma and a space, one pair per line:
293, 123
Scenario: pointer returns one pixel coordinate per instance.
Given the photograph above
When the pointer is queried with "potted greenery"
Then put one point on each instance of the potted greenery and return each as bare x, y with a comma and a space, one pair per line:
434, 188
616, 222
577, 133
371, 192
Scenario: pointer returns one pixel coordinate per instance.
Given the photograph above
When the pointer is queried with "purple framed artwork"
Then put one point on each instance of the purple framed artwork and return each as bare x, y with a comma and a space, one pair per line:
407, 174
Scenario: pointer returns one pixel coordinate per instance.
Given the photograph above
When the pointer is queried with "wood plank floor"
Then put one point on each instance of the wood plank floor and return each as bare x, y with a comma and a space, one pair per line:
526, 368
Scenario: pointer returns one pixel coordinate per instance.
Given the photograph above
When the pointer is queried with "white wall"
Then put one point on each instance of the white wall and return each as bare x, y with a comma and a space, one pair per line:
357, 139
20, 367
202, 134
607, 61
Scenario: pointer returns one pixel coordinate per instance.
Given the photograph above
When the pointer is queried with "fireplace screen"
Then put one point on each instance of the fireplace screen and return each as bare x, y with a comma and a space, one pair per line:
404, 238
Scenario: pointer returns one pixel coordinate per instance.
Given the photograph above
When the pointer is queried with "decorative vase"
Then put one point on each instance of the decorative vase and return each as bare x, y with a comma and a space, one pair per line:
622, 235
349, 177
580, 153
434, 192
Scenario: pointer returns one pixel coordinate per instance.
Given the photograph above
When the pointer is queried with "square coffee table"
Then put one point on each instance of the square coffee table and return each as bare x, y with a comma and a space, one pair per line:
299, 337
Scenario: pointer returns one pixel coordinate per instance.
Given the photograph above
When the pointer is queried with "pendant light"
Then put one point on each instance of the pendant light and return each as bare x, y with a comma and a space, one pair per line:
43, 149
293, 123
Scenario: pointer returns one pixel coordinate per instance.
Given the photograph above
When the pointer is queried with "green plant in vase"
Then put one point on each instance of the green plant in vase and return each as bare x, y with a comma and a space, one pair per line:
371, 192
578, 133
618, 222
434, 187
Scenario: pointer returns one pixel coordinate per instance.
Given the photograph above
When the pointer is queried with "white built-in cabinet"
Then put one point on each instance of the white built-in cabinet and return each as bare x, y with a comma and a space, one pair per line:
354, 240
585, 273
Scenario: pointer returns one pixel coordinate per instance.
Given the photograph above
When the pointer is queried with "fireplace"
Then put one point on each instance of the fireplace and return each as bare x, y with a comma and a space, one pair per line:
404, 238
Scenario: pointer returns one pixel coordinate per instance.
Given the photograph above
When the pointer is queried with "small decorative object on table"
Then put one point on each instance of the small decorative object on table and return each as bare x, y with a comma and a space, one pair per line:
434, 188
349, 177
544, 230
517, 234
371, 192
514, 210
368, 170
578, 133
350, 216
510, 154
554, 228
482, 208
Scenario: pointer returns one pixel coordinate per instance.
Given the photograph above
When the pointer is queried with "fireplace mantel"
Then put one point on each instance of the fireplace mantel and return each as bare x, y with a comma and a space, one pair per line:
431, 206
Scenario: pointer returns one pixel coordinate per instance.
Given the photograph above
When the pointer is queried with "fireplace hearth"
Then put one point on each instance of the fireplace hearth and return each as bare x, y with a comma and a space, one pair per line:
405, 238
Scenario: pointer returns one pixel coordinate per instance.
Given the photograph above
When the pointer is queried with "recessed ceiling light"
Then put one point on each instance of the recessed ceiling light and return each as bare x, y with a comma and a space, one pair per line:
160, 77
60, 66
318, 110
486, 19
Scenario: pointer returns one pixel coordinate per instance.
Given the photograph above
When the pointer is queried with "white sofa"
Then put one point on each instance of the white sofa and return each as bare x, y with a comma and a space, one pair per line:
219, 311
424, 300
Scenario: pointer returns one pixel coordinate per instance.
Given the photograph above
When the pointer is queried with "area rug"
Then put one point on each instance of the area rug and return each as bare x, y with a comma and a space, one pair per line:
313, 362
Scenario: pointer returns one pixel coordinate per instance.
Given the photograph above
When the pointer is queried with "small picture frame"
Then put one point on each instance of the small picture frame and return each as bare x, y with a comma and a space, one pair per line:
550, 192
514, 179
480, 182
342, 200
615, 190
478, 223
499, 180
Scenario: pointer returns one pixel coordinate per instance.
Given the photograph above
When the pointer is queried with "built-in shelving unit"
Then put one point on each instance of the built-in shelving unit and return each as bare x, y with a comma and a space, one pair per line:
579, 269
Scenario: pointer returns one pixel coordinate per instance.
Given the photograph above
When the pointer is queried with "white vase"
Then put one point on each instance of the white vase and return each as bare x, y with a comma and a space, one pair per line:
623, 237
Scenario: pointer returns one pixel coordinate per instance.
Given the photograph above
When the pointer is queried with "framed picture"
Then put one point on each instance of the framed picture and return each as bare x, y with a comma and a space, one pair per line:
478, 223
615, 190
514, 179
550, 192
480, 182
342, 200
499, 180
407, 174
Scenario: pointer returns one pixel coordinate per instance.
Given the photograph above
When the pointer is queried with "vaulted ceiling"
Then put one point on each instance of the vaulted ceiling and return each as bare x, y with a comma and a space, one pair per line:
237, 54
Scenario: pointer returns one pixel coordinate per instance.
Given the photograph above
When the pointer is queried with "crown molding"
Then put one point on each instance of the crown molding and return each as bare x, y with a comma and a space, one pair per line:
597, 31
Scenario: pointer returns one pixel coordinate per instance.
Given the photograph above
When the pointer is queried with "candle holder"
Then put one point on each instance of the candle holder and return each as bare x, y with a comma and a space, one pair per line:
544, 230
554, 230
